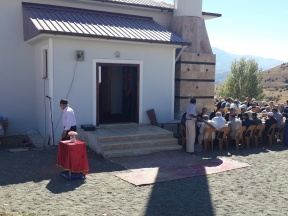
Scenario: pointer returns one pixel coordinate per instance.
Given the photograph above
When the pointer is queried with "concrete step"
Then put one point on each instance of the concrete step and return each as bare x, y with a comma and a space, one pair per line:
137, 143
129, 137
139, 151
127, 140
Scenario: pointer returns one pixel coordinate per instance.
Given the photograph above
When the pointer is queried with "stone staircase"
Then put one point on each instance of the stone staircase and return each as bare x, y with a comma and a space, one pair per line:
123, 140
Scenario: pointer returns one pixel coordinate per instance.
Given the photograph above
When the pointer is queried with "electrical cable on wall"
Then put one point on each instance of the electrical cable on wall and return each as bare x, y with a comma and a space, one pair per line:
45, 110
73, 78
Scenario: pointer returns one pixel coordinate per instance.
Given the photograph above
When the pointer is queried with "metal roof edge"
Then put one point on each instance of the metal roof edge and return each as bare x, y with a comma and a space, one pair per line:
44, 35
29, 4
113, 38
136, 5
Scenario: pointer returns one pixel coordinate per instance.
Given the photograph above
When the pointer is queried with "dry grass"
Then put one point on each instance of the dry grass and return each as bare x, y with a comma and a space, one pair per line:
275, 82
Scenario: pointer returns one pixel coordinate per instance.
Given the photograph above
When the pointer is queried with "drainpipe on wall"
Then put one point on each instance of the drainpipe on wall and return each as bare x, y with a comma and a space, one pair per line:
179, 54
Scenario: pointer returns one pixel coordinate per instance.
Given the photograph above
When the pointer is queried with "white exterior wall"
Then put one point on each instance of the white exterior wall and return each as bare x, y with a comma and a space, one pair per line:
21, 84
156, 77
17, 82
42, 113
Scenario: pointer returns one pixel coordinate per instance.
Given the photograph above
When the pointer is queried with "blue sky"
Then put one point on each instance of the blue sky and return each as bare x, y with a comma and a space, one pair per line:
249, 27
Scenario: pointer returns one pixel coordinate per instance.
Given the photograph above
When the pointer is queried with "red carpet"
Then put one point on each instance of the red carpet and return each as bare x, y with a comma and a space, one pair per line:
147, 176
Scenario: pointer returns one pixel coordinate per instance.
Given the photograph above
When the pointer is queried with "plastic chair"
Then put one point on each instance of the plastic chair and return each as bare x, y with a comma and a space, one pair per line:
249, 135
3, 137
239, 138
225, 110
258, 134
210, 137
271, 134
280, 134
222, 136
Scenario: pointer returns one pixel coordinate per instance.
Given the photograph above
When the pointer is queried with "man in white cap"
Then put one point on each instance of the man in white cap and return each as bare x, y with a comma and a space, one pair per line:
68, 119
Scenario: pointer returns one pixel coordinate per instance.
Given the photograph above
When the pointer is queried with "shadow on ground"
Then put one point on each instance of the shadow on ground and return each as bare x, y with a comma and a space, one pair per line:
40, 164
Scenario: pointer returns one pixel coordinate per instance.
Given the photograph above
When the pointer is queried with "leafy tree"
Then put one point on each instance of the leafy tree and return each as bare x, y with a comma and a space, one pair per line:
243, 81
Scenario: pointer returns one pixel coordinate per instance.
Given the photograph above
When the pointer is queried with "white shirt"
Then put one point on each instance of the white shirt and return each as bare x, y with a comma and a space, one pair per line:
219, 122
68, 118
191, 109
203, 126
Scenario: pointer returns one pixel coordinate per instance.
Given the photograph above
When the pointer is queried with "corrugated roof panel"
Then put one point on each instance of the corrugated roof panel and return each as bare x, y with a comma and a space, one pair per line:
60, 20
38, 18
83, 23
144, 3
72, 23
80, 22
53, 22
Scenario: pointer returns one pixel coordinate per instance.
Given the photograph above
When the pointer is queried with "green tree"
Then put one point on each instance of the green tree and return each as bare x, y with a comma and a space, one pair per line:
243, 81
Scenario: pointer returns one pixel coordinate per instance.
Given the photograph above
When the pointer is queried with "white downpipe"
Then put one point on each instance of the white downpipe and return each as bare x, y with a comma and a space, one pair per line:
180, 53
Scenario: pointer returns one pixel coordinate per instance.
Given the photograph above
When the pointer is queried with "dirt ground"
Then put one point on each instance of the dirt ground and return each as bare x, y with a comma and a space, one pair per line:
30, 184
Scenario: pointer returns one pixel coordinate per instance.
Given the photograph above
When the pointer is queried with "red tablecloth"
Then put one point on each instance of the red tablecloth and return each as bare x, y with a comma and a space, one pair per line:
73, 156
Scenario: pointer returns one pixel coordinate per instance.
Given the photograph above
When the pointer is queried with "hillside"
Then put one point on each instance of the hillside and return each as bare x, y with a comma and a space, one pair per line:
224, 60
275, 83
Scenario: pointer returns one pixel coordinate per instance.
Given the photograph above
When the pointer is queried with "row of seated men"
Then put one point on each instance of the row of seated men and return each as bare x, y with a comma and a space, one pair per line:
232, 119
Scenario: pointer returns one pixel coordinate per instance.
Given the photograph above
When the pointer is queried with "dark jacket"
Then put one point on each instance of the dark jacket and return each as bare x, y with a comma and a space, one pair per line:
257, 121
270, 121
247, 122
212, 115
286, 132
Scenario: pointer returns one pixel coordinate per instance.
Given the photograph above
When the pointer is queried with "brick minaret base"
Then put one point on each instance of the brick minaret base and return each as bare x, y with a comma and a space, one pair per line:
195, 69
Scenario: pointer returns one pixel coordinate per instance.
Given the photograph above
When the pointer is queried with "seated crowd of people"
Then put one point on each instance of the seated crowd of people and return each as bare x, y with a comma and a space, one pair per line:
233, 113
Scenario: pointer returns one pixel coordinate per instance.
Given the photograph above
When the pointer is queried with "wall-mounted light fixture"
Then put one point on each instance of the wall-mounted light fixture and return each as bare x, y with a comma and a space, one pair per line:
117, 54
79, 55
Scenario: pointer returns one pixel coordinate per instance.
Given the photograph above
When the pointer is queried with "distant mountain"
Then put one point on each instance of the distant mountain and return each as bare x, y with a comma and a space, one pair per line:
224, 60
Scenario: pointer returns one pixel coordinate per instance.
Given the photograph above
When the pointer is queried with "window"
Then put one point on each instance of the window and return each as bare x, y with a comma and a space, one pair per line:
45, 64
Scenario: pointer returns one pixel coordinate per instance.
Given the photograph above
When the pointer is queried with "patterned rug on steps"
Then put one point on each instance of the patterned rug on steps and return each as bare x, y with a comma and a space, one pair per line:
150, 174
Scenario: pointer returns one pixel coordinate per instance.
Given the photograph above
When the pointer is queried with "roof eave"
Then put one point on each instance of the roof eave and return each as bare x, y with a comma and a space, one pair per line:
137, 5
208, 15
108, 38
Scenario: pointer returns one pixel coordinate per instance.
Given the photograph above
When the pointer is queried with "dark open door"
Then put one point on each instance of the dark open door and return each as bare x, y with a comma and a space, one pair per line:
118, 93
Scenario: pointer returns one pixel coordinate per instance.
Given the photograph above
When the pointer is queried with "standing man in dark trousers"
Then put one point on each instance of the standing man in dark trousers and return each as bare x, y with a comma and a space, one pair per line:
68, 119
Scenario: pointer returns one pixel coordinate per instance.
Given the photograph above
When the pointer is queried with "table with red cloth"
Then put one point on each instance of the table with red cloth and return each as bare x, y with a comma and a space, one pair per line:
73, 156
